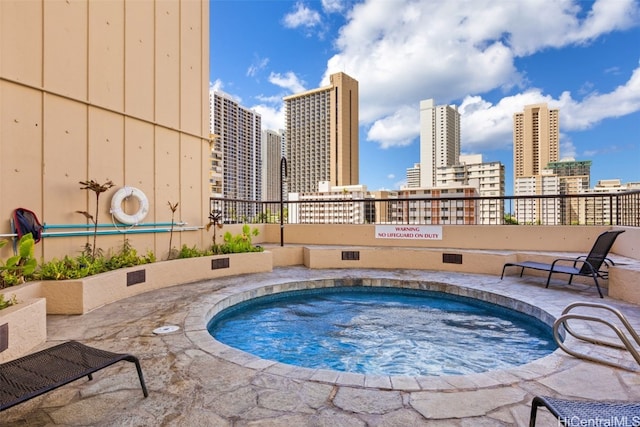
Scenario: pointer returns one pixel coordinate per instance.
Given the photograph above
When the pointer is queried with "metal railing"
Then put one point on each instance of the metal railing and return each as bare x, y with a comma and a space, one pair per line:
625, 342
622, 209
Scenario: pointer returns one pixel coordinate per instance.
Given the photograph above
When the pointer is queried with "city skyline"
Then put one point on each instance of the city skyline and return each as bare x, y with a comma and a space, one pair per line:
580, 57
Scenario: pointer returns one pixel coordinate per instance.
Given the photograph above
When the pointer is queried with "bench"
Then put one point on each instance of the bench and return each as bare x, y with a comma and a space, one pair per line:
38, 373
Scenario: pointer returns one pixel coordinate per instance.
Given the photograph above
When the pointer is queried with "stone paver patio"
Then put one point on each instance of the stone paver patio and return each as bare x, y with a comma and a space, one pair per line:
195, 381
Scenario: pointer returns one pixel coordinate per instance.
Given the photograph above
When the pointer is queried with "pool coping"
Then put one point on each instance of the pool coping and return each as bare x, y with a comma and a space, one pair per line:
201, 313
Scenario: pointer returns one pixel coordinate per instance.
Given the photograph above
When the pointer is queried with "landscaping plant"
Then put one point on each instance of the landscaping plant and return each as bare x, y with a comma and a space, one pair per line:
238, 243
173, 208
7, 303
20, 267
97, 189
215, 221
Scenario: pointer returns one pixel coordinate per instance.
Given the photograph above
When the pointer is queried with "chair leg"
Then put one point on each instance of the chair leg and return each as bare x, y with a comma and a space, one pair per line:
534, 410
136, 361
595, 279
549, 278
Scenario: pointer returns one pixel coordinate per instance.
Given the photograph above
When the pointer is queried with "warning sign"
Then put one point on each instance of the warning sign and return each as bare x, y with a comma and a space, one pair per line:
415, 232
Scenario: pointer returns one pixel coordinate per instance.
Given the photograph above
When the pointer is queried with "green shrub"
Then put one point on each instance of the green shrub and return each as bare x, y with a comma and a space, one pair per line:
20, 267
193, 252
128, 257
7, 303
238, 243
86, 265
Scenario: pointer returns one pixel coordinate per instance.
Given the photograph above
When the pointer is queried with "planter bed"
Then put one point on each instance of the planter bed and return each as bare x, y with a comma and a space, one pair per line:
22, 327
83, 295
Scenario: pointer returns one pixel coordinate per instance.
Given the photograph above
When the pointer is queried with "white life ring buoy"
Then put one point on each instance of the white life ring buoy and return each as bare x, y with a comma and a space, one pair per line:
121, 215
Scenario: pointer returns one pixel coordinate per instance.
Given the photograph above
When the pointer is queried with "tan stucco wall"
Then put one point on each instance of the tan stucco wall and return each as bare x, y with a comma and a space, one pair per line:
489, 237
104, 90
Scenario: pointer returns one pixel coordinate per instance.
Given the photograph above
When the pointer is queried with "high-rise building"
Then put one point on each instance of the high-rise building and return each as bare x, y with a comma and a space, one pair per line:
271, 156
413, 176
217, 166
536, 142
573, 178
322, 135
239, 130
439, 139
536, 139
487, 178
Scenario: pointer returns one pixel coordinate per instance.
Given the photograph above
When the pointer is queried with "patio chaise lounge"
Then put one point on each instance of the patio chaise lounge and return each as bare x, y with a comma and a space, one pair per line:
38, 373
587, 413
589, 266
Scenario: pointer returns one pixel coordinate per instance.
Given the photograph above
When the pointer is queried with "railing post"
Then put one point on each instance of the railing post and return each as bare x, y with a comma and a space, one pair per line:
283, 173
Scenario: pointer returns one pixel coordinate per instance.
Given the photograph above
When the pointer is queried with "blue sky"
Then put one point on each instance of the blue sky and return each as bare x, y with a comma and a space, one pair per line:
488, 57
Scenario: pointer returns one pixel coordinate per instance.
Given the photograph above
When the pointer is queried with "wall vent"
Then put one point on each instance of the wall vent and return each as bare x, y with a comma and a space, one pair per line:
4, 337
135, 277
452, 258
219, 263
350, 255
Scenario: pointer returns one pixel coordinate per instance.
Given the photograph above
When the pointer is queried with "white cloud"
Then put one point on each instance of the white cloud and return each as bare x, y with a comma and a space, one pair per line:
403, 51
484, 125
216, 86
302, 16
288, 81
332, 6
272, 117
258, 64
623, 100
568, 150
397, 129
273, 100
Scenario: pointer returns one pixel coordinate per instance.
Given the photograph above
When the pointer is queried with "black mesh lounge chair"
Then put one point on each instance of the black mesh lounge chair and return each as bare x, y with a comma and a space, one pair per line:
587, 413
38, 373
581, 266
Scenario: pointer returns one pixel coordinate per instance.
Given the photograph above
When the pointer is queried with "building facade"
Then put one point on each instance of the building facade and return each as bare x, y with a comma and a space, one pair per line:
271, 157
536, 139
345, 205
217, 167
321, 134
574, 177
534, 210
597, 208
449, 206
487, 178
105, 91
413, 176
240, 133
536, 143
439, 139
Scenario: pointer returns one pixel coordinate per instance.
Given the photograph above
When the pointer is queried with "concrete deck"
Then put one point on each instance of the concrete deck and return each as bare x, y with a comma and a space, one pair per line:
195, 381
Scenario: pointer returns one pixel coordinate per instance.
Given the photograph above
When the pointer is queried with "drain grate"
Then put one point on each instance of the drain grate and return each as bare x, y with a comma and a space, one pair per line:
166, 329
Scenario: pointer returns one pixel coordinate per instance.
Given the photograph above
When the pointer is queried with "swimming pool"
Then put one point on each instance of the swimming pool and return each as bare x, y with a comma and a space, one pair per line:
383, 330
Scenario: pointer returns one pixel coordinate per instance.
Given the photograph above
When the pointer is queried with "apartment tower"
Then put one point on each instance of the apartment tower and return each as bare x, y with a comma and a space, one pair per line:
271, 156
536, 139
439, 139
240, 133
321, 135
487, 178
536, 142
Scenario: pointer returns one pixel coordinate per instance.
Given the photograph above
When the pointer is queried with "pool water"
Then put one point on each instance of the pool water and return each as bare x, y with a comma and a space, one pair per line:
383, 331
